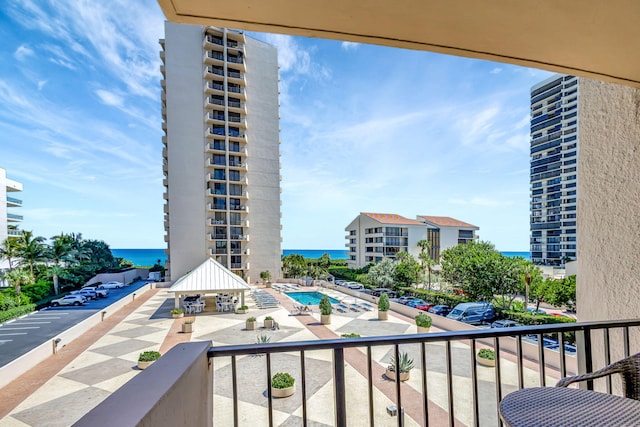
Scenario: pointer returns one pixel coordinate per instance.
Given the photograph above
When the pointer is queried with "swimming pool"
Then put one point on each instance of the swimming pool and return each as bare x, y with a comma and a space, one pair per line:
309, 298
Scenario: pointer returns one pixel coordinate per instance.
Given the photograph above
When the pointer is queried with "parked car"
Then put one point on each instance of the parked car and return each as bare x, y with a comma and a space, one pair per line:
505, 323
403, 300
420, 304
111, 285
534, 311
102, 293
339, 282
379, 291
355, 286
473, 313
88, 294
440, 310
68, 300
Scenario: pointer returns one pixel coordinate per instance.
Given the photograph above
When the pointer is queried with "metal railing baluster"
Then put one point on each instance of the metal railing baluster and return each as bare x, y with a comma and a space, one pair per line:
450, 383
474, 382
303, 380
338, 385
234, 387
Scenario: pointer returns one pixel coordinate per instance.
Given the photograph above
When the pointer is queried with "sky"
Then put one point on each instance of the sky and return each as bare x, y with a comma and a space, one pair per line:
363, 129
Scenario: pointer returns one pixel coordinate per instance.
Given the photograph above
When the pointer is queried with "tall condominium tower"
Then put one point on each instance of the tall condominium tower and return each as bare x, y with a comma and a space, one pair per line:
554, 156
8, 220
221, 151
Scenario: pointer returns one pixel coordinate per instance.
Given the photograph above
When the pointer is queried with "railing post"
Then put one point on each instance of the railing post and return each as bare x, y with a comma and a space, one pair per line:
339, 387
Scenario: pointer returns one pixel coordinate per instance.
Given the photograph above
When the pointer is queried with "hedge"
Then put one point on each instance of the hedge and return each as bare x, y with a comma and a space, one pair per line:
438, 298
16, 312
527, 318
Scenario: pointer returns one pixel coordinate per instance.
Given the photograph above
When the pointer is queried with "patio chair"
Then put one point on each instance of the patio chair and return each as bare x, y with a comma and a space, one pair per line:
628, 368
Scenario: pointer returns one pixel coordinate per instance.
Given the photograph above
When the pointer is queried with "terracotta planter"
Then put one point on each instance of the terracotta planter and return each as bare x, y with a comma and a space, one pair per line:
422, 330
177, 316
251, 326
404, 376
283, 392
383, 315
268, 324
241, 311
268, 284
144, 365
325, 319
485, 362
187, 328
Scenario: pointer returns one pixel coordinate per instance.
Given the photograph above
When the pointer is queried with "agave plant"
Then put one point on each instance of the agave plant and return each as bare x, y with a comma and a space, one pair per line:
263, 339
404, 363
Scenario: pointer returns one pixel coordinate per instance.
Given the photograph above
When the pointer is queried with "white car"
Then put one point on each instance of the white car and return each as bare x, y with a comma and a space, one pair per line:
111, 285
68, 300
102, 293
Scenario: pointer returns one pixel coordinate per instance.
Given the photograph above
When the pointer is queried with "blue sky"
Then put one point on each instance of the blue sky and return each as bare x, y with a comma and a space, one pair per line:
364, 129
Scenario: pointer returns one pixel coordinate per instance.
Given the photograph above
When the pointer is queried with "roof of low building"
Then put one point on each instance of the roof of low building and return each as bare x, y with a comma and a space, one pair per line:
210, 276
446, 221
384, 218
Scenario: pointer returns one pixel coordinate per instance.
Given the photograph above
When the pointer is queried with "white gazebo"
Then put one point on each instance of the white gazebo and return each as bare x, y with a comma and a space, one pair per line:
209, 278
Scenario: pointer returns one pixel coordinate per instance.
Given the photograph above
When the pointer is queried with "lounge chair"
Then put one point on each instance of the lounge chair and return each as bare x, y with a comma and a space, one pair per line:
302, 309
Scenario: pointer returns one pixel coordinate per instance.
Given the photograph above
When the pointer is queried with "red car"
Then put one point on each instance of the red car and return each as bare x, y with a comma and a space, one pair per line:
420, 304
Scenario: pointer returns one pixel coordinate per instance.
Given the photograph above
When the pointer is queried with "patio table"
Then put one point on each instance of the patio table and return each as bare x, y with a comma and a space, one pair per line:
561, 406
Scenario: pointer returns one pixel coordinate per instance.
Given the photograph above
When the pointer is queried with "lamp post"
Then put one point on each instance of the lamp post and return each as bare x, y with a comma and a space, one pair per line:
527, 281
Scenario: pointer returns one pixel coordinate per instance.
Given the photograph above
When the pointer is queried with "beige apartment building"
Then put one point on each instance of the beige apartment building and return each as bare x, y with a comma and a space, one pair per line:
221, 153
374, 236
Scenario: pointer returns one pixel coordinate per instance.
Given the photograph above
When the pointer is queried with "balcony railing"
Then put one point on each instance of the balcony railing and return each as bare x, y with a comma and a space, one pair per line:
14, 201
14, 233
446, 386
15, 217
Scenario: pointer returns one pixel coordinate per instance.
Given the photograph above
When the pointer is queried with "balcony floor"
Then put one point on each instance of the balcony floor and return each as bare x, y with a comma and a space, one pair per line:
94, 366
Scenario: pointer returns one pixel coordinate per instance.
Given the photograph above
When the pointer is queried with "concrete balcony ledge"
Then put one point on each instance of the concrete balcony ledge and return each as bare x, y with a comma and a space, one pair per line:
174, 391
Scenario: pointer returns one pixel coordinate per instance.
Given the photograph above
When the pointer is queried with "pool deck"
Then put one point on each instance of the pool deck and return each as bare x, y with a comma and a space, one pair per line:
90, 368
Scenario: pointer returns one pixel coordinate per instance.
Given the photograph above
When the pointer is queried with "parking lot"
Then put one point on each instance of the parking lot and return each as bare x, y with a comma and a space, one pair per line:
20, 336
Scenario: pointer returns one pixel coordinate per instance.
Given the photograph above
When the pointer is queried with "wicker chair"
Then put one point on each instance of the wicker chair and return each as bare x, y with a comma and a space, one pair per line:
628, 368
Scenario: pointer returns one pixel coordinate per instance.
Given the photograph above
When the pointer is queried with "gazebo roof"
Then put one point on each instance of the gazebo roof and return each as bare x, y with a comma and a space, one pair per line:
210, 276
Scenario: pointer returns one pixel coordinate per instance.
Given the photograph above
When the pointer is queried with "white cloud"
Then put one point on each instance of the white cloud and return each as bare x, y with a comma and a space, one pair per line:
41, 84
109, 98
496, 70
350, 46
22, 52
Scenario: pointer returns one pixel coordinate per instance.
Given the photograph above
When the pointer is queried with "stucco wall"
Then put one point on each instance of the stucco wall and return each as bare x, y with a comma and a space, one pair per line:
609, 206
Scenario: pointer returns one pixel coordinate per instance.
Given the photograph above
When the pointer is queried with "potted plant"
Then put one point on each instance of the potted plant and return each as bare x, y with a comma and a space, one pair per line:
176, 313
405, 365
187, 326
266, 278
282, 385
383, 307
423, 322
268, 322
350, 335
146, 358
486, 357
325, 310
242, 309
251, 323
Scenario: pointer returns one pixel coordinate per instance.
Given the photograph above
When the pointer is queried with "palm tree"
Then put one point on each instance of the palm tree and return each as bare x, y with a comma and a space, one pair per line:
426, 261
31, 249
9, 250
18, 277
55, 271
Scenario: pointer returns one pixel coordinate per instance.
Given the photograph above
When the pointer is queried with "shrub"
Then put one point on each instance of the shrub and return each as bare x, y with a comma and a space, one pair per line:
325, 305
383, 302
350, 335
38, 291
486, 353
177, 311
251, 319
282, 380
423, 320
15, 312
438, 298
149, 356
404, 363
188, 322
268, 318
244, 307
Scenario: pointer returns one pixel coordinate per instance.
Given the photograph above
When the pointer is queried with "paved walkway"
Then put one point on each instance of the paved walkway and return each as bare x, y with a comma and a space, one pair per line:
86, 371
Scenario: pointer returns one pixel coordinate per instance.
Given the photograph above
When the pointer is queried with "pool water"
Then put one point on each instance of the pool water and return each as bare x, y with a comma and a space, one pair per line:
309, 298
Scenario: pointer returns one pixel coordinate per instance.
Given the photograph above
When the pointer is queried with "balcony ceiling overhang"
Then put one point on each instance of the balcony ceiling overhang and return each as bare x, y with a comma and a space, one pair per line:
591, 38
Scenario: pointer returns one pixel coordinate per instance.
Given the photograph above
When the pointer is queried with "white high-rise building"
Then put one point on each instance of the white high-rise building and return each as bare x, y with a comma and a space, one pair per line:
9, 220
221, 151
554, 173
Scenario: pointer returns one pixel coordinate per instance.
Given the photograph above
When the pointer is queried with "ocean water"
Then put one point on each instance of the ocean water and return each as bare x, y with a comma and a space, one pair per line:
148, 257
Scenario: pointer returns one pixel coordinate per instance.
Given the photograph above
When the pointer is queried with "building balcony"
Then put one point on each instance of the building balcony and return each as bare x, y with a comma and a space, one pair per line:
219, 236
211, 102
236, 91
14, 217
236, 77
237, 62
164, 139
214, 222
14, 233
244, 237
211, 72
214, 58
239, 208
13, 202
446, 385
218, 207
214, 86
217, 192
215, 117
238, 121
237, 106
